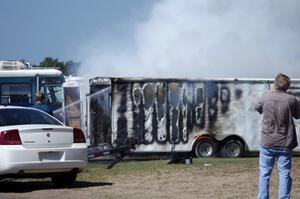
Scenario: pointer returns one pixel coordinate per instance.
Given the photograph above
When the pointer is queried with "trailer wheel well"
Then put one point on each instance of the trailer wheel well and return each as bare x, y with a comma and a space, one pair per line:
202, 137
205, 146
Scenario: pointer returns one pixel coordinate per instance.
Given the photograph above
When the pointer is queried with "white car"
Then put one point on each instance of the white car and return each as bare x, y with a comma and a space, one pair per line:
35, 144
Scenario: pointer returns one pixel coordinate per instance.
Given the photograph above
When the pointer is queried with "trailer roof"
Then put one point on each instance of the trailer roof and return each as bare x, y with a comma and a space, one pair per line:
140, 79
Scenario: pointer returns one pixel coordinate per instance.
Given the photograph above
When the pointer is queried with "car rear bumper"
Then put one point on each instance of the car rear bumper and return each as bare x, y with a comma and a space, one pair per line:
18, 160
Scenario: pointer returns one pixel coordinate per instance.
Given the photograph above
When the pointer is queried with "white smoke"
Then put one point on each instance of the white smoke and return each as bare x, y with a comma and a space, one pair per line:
204, 38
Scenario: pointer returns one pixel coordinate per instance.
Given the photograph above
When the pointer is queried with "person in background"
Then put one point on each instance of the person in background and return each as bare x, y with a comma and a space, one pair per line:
40, 104
278, 136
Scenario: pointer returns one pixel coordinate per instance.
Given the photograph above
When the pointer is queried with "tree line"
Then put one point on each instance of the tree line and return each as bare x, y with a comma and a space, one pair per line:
68, 68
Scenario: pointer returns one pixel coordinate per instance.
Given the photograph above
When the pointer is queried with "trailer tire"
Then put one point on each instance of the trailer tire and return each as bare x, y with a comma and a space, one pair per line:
232, 149
205, 148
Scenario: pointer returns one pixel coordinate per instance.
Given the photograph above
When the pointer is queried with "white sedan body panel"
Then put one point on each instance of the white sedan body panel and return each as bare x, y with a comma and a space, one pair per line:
45, 149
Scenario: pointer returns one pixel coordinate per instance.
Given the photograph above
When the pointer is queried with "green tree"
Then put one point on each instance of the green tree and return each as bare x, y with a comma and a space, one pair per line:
67, 68
49, 62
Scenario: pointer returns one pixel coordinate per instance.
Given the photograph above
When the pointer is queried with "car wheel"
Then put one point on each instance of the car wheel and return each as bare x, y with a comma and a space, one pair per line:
65, 179
232, 149
205, 148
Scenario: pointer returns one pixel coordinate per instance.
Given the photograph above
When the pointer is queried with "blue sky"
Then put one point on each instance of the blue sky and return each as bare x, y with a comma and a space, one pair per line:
34, 29
156, 38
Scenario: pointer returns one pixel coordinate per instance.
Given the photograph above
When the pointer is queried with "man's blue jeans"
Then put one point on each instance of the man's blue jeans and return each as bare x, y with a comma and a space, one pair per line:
267, 158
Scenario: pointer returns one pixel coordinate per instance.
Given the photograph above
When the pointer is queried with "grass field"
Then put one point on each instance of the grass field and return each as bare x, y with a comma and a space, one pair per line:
96, 170
205, 178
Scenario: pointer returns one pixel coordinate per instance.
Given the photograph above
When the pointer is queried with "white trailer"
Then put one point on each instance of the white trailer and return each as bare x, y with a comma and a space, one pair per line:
204, 116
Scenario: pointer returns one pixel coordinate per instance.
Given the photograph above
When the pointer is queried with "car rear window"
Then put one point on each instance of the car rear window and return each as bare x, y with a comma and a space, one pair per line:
11, 116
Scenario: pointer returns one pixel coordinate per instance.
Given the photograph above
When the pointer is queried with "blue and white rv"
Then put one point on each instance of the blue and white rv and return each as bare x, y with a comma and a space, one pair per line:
19, 82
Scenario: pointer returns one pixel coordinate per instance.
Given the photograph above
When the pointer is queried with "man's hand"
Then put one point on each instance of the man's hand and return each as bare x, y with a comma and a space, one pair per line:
272, 89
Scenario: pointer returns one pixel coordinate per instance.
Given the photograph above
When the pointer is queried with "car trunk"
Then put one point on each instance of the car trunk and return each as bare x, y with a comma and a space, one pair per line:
46, 136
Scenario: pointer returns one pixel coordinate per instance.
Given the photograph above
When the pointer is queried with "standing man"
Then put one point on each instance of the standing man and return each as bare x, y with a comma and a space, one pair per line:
278, 136
40, 104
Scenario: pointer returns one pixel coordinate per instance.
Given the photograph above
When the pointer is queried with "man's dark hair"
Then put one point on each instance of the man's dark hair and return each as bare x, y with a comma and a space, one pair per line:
282, 82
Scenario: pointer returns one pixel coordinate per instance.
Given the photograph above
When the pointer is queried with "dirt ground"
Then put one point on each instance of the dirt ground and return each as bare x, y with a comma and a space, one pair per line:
213, 178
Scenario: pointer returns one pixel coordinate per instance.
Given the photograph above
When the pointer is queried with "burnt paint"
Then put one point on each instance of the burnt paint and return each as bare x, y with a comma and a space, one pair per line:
182, 121
162, 135
150, 113
212, 100
174, 106
238, 93
138, 113
225, 99
198, 112
122, 109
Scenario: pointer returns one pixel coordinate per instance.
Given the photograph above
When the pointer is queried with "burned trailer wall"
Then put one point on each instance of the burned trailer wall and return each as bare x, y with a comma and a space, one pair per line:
160, 113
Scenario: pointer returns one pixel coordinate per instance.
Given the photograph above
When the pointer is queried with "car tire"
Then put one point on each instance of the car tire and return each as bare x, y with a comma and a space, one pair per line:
205, 148
65, 179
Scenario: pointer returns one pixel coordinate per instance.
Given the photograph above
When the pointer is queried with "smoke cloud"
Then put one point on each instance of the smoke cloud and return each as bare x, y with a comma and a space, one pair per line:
202, 38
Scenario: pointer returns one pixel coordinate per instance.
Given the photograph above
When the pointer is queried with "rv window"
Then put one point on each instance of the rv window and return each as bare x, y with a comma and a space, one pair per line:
51, 80
16, 94
53, 96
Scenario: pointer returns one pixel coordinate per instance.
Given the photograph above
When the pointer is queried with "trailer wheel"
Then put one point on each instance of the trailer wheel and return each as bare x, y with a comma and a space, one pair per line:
205, 148
232, 149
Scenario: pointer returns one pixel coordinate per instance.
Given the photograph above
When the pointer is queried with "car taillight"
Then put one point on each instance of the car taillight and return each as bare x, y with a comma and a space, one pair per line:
10, 137
78, 136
